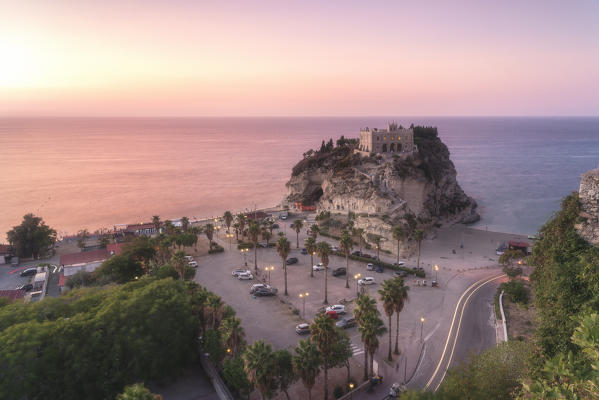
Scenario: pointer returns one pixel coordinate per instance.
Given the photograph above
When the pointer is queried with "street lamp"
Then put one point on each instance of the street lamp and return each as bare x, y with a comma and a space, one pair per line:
303, 297
271, 268
436, 273
356, 277
229, 235
243, 251
351, 388
217, 229
421, 327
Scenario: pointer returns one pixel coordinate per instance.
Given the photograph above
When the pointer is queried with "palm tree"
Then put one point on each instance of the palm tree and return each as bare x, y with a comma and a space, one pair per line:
314, 230
209, 231
418, 236
254, 232
377, 242
236, 227
346, 244
365, 306
401, 298
169, 228
179, 263
359, 232
157, 223
232, 334
323, 249
324, 334
297, 226
241, 222
228, 217
306, 363
184, 223
266, 235
399, 234
214, 304
310, 244
283, 249
388, 293
372, 327
258, 364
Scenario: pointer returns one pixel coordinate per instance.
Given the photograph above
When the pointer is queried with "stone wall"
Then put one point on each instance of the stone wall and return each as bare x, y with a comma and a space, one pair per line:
589, 199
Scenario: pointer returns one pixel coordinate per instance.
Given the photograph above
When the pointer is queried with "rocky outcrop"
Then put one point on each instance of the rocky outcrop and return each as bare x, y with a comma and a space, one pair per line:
418, 191
588, 227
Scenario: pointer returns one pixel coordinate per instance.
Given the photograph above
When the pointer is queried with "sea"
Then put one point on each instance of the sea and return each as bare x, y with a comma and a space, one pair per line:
97, 172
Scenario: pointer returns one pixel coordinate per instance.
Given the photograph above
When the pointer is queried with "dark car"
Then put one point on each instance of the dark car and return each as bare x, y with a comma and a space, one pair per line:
366, 255
416, 270
357, 253
263, 292
401, 273
29, 272
304, 251
339, 271
379, 268
275, 226
346, 323
292, 260
26, 287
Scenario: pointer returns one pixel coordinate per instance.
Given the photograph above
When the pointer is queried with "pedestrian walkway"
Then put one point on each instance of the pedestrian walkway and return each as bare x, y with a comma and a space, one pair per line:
356, 350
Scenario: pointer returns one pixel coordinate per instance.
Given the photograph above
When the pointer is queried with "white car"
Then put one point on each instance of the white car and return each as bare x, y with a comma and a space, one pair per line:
193, 264
189, 258
366, 281
334, 248
370, 267
338, 308
318, 267
245, 276
240, 271
399, 263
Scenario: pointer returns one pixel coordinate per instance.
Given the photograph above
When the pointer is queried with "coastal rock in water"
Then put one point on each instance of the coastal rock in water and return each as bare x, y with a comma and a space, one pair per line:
589, 202
416, 191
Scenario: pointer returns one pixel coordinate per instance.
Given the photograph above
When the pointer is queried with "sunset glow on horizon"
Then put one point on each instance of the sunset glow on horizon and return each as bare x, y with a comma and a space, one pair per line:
299, 58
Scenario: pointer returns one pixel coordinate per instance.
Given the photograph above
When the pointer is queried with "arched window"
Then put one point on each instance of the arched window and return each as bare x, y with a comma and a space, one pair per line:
392, 147
384, 147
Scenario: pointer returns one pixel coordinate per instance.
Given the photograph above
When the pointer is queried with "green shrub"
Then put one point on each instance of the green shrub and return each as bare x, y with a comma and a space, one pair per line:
517, 292
216, 248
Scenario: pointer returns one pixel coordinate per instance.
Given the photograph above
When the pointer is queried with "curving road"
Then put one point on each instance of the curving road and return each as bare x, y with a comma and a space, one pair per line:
470, 326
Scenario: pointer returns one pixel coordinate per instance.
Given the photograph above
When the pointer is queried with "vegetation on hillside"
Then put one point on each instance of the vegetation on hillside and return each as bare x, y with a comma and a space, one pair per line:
32, 238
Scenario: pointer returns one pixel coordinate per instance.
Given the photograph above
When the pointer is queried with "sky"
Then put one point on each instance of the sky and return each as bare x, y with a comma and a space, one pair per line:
293, 58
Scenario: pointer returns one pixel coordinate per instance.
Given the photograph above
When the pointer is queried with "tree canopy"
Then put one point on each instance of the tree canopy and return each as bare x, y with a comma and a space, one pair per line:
32, 238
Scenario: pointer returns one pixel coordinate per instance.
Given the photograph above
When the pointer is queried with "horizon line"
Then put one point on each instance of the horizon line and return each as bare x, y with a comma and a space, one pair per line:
307, 116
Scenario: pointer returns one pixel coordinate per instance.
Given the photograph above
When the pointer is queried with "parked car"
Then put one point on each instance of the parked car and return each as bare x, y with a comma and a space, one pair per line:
283, 217
332, 314
338, 308
240, 271
379, 268
193, 264
245, 276
416, 269
302, 329
366, 281
334, 248
318, 267
304, 251
262, 291
258, 286
292, 260
346, 323
399, 264
339, 271
401, 273
26, 287
189, 258
357, 253
28, 272
275, 226
370, 267
365, 255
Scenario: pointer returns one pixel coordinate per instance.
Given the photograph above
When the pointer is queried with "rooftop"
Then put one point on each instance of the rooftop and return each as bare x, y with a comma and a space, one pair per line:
84, 257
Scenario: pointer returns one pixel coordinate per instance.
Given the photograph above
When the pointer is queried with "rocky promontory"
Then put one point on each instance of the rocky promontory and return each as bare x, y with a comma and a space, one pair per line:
381, 191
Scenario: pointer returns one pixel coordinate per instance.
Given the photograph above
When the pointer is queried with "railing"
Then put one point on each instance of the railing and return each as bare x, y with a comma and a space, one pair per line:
221, 388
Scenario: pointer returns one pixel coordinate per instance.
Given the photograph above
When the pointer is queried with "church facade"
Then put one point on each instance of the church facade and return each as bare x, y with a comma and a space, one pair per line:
393, 139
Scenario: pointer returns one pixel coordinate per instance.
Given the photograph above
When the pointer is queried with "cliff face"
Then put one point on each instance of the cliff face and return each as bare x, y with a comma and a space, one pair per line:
588, 194
417, 191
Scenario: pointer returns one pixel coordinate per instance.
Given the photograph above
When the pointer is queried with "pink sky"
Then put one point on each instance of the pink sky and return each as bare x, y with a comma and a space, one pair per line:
333, 57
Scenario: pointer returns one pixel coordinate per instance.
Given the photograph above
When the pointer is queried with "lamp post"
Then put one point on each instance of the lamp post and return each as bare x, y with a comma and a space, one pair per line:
436, 273
229, 235
243, 251
356, 277
421, 327
303, 297
271, 268
217, 229
351, 390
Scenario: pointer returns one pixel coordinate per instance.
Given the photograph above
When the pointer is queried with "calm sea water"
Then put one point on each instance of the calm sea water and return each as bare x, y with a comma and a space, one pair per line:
95, 173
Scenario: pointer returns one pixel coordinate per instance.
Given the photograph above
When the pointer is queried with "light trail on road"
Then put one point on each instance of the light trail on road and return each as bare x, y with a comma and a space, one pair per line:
460, 307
